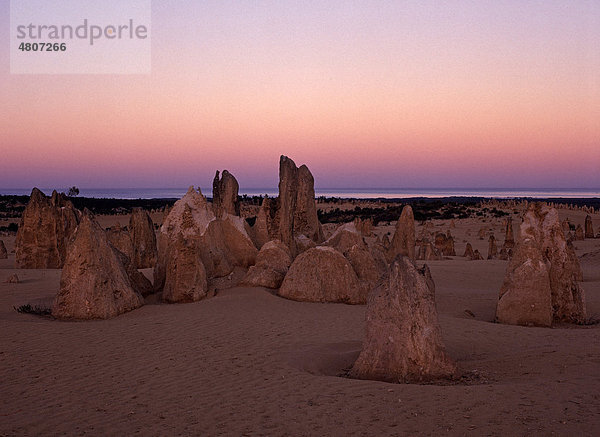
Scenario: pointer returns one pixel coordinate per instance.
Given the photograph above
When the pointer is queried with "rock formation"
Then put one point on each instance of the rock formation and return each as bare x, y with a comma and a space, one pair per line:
579, 234
3, 252
272, 263
469, 252
13, 279
444, 244
344, 238
143, 239
589, 227
364, 227
120, 239
296, 207
403, 241
428, 252
185, 279
367, 268
525, 296
94, 282
222, 243
46, 226
265, 226
509, 239
322, 274
542, 252
492, 248
403, 342
477, 255
225, 194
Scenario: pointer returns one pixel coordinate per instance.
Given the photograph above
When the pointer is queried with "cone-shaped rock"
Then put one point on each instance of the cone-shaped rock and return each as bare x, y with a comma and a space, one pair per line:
403, 241
46, 226
222, 243
579, 234
589, 227
525, 296
469, 252
94, 282
272, 263
428, 252
492, 248
120, 239
444, 244
186, 277
143, 238
296, 210
543, 242
3, 252
403, 342
225, 194
322, 274
345, 237
509, 239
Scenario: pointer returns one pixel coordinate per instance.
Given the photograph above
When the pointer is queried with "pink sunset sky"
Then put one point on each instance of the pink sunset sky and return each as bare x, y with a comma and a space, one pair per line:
368, 94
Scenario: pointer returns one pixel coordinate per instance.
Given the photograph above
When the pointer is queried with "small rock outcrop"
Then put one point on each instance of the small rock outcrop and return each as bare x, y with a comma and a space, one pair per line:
322, 274
525, 296
120, 239
492, 248
46, 226
296, 207
344, 238
185, 279
272, 263
589, 227
509, 239
13, 279
579, 234
403, 342
143, 239
428, 252
94, 283
469, 252
544, 268
444, 244
222, 243
403, 241
3, 252
225, 194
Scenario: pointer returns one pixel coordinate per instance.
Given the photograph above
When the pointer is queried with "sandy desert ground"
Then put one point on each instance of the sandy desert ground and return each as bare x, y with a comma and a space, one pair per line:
247, 362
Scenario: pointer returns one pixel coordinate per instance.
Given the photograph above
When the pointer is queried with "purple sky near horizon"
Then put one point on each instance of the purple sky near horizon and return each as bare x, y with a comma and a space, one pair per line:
366, 93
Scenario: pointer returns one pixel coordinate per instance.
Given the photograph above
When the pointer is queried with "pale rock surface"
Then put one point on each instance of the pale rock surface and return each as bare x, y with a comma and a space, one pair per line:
272, 263
403, 342
403, 241
185, 277
143, 239
492, 248
46, 226
225, 194
94, 283
589, 227
543, 242
322, 274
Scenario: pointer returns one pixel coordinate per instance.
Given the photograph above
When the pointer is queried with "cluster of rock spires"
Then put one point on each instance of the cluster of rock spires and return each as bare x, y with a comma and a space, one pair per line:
541, 284
286, 250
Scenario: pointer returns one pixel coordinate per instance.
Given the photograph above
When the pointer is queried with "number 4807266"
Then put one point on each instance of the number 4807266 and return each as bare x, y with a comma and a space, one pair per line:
42, 46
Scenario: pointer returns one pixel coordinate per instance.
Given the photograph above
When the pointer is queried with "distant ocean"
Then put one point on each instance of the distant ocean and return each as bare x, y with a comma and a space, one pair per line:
386, 193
